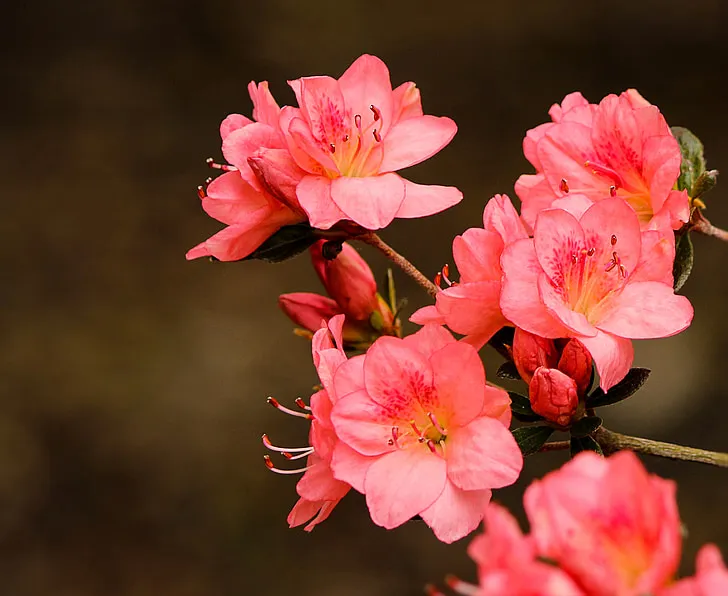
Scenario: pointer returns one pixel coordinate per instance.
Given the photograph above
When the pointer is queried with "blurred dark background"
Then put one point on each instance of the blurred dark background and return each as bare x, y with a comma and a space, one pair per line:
134, 383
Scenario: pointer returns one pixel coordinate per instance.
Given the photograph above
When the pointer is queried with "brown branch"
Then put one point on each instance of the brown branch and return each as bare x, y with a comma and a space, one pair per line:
703, 226
374, 240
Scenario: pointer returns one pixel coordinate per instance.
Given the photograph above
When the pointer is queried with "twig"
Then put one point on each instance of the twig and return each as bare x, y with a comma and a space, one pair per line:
374, 240
703, 226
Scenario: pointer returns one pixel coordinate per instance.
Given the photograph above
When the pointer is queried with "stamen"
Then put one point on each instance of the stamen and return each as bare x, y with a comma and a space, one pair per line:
605, 171
291, 457
612, 191
395, 437
616, 262
414, 428
613, 240
461, 587
272, 468
275, 403
346, 138
590, 252
622, 271
431, 590
564, 186
357, 121
377, 136
272, 447
376, 112
436, 424
438, 280
207, 181
201, 192
574, 258
302, 404
220, 166
332, 148
432, 446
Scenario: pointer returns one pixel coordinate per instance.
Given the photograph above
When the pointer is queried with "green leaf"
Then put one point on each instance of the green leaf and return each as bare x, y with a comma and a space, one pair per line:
683, 264
527, 417
584, 444
287, 242
585, 426
693, 159
520, 403
635, 378
705, 182
391, 291
508, 370
531, 438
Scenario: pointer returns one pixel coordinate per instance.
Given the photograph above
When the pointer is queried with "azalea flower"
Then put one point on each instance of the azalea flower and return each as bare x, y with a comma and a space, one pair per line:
320, 492
350, 283
472, 305
595, 278
620, 147
558, 374
424, 434
711, 577
607, 523
351, 135
238, 198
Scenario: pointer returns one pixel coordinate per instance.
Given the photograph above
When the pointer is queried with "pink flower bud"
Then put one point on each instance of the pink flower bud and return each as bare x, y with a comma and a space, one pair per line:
348, 280
553, 395
308, 310
576, 362
531, 352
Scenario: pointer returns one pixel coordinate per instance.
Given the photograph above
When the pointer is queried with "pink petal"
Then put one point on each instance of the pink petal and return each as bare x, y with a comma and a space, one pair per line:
396, 375
349, 377
426, 315
421, 200
406, 102
562, 153
456, 512
460, 383
307, 150
314, 194
319, 484
414, 140
574, 203
530, 141
323, 106
482, 455
403, 484
265, 108
477, 255
230, 199
674, 212
233, 122
366, 83
497, 404
363, 424
278, 173
612, 355
308, 310
557, 236
350, 466
647, 310
575, 322
520, 299
235, 242
240, 144
303, 511
661, 167
429, 339
500, 216
536, 195
372, 202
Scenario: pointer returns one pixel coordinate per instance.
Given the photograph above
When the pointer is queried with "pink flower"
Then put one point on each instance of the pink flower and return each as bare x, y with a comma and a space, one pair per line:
609, 524
239, 198
595, 278
621, 147
352, 289
425, 434
507, 563
711, 578
320, 492
472, 306
557, 375
350, 135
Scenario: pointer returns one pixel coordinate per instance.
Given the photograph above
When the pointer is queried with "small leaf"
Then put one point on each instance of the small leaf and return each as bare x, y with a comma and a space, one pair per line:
503, 336
585, 426
683, 264
693, 159
527, 417
531, 438
520, 403
287, 242
508, 370
584, 444
391, 291
376, 320
705, 182
635, 378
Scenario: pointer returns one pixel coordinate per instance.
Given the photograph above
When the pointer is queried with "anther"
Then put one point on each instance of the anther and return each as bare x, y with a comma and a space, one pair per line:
332, 148
269, 464
346, 138
201, 192
395, 437
438, 280
590, 252
564, 186
276, 404
574, 257
290, 457
357, 121
613, 240
432, 446
414, 428
301, 404
270, 446
436, 424
377, 136
612, 191
376, 112
208, 180
219, 166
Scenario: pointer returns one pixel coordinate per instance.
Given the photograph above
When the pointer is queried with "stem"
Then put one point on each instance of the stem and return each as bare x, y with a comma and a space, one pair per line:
703, 226
373, 240
611, 441
555, 446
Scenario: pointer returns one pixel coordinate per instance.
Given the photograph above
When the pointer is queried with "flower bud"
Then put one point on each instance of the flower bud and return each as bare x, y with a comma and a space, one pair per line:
553, 395
531, 352
308, 310
576, 363
348, 280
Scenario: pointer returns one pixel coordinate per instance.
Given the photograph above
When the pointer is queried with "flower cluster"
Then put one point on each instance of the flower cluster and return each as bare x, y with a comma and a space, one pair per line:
560, 290
599, 527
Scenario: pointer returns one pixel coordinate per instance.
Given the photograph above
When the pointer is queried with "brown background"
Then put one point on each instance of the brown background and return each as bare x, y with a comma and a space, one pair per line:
134, 383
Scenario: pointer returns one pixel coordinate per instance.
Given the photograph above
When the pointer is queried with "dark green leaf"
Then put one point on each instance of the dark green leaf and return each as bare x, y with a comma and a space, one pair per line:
503, 336
520, 403
584, 444
635, 378
508, 370
693, 160
391, 291
585, 426
705, 182
527, 417
531, 438
287, 242
683, 264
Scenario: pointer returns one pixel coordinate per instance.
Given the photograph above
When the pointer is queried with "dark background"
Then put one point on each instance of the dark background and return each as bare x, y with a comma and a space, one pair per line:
134, 383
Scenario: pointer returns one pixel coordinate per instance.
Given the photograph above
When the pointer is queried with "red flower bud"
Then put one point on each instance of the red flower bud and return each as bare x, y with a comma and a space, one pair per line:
576, 362
553, 395
531, 352
308, 310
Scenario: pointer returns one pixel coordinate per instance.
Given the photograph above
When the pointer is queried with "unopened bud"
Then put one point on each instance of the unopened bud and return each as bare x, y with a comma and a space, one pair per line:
531, 352
576, 363
553, 395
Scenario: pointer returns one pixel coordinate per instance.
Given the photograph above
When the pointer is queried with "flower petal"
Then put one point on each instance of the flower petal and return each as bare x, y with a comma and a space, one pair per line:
556, 238
460, 383
477, 255
414, 140
363, 424
456, 512
429, 339
314, 194
366, 83
612, 355
349, 377
350, 466
372, 202
421, 200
